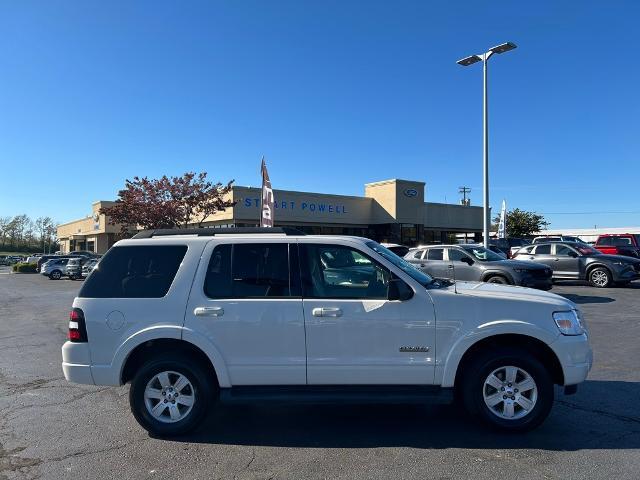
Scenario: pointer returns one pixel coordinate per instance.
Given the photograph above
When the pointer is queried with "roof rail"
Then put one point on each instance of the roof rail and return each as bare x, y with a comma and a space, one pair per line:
212, 232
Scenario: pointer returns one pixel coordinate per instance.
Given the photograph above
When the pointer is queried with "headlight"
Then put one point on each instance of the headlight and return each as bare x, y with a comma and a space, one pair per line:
569, 322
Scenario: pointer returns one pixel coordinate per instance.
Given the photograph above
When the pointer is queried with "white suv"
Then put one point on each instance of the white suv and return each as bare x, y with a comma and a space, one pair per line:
190, 317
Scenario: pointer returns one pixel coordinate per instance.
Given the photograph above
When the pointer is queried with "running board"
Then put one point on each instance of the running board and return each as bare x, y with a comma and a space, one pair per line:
336, 394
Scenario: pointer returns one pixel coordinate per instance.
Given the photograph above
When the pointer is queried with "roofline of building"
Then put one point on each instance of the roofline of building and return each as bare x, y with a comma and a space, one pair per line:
392, 180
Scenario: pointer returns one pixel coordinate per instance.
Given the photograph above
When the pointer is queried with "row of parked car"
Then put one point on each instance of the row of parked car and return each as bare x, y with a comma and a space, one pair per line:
533, 264
75, 268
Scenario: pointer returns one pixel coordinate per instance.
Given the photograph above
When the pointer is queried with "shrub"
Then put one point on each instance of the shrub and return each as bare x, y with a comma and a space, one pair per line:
25, 267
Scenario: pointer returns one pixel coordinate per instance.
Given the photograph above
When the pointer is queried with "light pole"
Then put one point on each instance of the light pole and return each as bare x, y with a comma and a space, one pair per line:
465, 62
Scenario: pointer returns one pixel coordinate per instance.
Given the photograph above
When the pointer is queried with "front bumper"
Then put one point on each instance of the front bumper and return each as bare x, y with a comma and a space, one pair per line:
537, 281
625, 274
575, 355
76, 363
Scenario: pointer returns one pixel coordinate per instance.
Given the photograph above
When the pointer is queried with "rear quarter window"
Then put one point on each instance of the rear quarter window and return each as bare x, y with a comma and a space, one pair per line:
145, 271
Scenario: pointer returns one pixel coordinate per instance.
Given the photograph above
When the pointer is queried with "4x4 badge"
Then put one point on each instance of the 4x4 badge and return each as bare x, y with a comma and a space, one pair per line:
414, 349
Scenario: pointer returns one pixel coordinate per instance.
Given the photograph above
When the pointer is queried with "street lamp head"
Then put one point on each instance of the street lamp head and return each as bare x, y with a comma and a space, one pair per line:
505, 47
465, 62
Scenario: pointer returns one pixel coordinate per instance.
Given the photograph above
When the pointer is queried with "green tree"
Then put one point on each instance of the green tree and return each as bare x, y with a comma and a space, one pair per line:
521, 223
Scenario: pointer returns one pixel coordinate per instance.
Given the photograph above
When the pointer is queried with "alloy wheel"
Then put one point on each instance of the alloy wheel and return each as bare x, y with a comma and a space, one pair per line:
510, 392
600, 278
169, 397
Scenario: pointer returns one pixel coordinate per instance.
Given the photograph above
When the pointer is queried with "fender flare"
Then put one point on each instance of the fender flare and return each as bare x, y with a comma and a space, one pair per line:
482, 332
175, 332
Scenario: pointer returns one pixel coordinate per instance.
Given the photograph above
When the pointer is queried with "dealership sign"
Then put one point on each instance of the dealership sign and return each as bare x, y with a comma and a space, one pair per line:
410, 192
304, 206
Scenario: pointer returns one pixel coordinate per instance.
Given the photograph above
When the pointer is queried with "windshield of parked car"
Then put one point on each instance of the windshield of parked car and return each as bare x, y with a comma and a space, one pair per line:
586, 249
482, 254
401, 263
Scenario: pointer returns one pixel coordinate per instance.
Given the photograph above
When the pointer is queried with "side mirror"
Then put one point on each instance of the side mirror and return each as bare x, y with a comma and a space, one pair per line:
398, 290
573, 254
467, 260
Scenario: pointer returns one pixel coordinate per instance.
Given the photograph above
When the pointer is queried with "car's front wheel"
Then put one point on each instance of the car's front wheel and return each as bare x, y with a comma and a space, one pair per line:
55, 275
600, 277
498, 279
508, 389
171, 396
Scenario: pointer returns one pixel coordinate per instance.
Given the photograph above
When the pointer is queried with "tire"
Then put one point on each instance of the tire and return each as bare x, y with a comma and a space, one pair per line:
600, 277
498, 279
477, 393
200, 389
55, 275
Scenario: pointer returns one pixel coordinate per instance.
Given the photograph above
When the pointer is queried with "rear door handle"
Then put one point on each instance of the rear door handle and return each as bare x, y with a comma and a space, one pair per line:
326, 312
208, 311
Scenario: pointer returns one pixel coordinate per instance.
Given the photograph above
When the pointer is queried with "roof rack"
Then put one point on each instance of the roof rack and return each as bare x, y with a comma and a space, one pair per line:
212, 232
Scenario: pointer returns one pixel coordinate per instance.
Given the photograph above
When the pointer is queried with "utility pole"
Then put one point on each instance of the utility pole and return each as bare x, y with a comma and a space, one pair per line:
464, 191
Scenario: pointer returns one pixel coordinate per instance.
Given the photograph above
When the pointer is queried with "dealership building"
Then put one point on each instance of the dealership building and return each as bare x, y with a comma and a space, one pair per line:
391, 211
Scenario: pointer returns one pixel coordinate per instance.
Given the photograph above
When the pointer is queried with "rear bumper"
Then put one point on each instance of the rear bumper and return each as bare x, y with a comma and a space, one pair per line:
76, 363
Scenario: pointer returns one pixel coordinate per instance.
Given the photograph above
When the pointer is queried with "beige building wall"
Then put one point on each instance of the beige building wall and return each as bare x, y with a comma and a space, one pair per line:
390, 209
90, 233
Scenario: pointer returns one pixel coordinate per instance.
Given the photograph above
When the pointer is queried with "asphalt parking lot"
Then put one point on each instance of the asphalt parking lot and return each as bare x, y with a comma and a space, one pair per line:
51, 429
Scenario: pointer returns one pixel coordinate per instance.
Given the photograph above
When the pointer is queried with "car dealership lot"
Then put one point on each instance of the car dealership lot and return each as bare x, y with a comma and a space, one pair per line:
52, 429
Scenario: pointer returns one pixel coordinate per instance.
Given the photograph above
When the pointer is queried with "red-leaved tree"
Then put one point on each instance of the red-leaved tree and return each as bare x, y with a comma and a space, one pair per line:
168, 202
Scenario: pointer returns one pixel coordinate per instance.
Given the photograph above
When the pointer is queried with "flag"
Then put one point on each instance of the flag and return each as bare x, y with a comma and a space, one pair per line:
502, 227
266, 212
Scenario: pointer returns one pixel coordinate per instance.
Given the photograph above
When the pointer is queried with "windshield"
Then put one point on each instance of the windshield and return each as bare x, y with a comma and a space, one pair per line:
482, 254
401, 263
585, 249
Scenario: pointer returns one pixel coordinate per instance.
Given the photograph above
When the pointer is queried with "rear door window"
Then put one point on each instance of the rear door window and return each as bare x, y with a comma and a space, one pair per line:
145, 271
543, 250
248, 270
435, 254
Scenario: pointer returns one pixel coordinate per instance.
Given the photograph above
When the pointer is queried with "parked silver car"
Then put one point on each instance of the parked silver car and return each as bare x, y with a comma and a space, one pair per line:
476, 263
577, 261
54, 268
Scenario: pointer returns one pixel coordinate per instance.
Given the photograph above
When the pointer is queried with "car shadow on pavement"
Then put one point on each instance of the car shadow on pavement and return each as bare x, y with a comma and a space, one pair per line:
582, 299
598, 417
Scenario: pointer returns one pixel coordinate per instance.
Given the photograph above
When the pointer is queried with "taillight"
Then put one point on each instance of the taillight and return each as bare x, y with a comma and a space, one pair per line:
77, 327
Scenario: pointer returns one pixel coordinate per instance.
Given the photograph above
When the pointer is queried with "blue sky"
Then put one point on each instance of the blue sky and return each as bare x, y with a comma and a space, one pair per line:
334, 93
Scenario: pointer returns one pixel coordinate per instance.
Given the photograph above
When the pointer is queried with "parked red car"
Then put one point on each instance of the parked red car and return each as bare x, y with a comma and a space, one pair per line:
627, 244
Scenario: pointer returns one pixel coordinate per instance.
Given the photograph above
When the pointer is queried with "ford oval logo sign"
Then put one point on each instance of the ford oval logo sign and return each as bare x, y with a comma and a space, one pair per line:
410, 192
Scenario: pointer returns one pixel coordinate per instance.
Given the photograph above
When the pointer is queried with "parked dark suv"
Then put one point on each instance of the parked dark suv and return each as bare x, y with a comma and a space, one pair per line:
577, 261
476, 263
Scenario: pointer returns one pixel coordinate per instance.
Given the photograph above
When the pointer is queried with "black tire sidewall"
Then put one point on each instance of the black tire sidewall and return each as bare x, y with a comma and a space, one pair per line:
602, 269
479, 370
203, 392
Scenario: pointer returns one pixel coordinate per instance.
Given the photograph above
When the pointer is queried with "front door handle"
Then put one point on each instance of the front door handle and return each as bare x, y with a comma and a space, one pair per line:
556, 259
326, 312
208, 311
422, 265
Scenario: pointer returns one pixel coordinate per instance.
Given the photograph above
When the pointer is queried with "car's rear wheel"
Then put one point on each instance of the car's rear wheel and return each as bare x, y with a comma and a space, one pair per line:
55, 275
498, 279
171, 396
508, 389
600, 277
